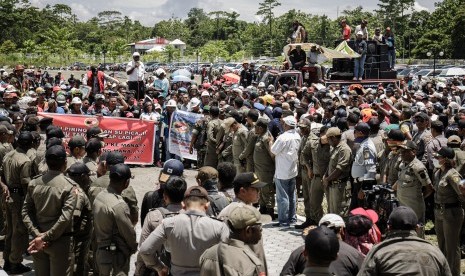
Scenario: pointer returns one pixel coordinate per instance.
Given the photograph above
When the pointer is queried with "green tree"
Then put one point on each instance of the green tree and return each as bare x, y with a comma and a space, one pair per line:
171, 29
213, 50
458, 37
7, 47
265, 9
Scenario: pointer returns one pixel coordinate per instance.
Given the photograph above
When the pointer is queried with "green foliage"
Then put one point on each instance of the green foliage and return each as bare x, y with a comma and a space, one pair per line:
213, 50
7, 47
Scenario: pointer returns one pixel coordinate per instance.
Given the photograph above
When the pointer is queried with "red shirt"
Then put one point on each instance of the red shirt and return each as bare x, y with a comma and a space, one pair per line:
346, 31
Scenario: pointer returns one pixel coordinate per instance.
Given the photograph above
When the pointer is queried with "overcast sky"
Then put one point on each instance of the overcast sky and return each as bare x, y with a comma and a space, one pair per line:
151, 11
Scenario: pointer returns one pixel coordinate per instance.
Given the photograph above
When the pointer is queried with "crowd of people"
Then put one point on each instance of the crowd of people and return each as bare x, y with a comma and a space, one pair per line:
258, 149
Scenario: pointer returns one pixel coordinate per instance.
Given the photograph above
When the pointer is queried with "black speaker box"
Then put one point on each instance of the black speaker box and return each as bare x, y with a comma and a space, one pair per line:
383, 58
388, 74
372, 61
372, 73
384, 66
343, 65
372, 48
382, 49
342, 76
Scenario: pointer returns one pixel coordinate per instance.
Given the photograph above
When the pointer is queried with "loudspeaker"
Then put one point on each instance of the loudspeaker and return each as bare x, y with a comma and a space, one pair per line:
371, 61
342, 76
384, 66
388, 74
372, 48
372, 73
383, 58
382, 49
343, 65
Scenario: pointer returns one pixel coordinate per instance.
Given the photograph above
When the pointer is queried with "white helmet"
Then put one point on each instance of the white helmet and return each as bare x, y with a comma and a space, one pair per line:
160, 71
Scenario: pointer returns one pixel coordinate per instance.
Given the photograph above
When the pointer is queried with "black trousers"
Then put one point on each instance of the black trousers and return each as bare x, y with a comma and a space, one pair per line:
138, 87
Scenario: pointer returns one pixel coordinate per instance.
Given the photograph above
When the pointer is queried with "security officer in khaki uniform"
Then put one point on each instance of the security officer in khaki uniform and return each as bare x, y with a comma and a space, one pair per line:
414, 183
239, 142
48, 214
247, 153
423, 136
224, 140
391, 169
337, 176
77, 148
264, 166
316, 157
454, 142
129, 195
406, 125
82, 219
17, 174
234, 257
114, 231
4, 133
304, 127
93, 152
213, 127
448, 210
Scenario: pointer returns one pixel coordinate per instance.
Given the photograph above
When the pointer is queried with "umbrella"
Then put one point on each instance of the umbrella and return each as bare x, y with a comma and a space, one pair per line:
181, 72
232, 77
455, 71
181, 79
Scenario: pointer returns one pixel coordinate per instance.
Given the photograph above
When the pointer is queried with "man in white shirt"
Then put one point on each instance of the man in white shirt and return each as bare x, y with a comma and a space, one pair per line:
362, 28
285, 149
135, 71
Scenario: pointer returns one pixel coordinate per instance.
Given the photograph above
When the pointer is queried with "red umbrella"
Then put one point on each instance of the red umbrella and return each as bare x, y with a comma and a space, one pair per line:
232, 77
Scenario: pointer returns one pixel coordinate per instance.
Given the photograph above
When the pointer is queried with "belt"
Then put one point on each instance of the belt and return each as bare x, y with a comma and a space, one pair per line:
447, 205
340, 180
111, 248
15, 190
317, 175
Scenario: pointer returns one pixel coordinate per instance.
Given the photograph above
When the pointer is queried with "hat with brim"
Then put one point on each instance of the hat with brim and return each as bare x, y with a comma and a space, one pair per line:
371, 214
172, 167
246, 180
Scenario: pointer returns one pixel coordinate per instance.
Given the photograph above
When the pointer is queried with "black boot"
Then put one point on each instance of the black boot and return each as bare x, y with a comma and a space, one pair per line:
263, 210
19, 268
306, 224
270, 211
6, 265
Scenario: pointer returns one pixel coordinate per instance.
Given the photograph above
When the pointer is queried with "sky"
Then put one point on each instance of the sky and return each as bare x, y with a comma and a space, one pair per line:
148, 12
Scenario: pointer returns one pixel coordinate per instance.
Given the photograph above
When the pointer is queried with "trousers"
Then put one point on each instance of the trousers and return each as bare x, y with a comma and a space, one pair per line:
112, 263
16, 239
317, 192
286, 200
306, 191
359, 66
54, 260
339, 197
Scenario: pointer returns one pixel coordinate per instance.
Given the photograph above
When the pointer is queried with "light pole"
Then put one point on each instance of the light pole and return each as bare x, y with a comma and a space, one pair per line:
198, 55
435, 56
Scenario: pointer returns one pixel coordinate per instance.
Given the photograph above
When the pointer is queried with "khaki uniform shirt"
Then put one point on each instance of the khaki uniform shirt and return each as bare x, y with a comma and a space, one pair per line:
82, 216
391, 169
247, 153
412, 178
460, 161
112, 222
233, 258
239, 143
422, 139
213, 127
446, 186
49, 205
404, 253
341, 156
263, 162
92, 165
17, 169
129, 195
186, 236
316, 155
70, 160
316, 271
154, 218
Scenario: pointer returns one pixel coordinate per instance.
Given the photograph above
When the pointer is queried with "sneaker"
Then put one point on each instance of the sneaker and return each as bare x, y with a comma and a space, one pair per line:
359, 79
159, 164
354, 78
19, 269
304, 225
281, 224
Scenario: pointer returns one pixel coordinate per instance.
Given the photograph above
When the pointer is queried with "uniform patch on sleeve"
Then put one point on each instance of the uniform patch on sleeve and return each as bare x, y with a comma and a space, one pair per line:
423, 174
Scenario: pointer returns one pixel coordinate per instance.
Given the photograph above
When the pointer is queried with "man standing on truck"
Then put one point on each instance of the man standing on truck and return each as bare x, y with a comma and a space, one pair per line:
297, 57
312, 59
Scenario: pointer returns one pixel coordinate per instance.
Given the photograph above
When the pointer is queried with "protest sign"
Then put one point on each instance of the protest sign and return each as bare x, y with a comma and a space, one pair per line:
182, 125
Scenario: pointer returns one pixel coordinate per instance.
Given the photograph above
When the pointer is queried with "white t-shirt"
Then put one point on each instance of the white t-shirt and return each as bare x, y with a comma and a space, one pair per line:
138, 73
286, 148
153, 116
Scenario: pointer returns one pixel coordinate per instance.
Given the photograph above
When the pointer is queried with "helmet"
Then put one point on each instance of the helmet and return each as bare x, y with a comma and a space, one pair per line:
61, 99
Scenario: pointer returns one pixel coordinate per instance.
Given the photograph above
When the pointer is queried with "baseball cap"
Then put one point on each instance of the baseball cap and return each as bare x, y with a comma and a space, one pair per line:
77, 142
171, 167
95, 132
17, 118
78, 169
332, 132
359, 33
409, 145
194, 102
259, 106
171, 103
54, 131
196, 191
76, 100
322, 244
371, 214
136, 54
290, 121
206, 173
268, 98
445, 152
120, 171
54, 141
227, 123
99, 97
363, 127
55, 152
421, 115
205, 94
114, 157
246, 180
263, 121
243, 216
93, 145
396, 135
304, 122
403, 218
332, 220
454, 139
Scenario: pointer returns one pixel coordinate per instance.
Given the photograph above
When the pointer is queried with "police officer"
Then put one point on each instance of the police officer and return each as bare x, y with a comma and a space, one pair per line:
239, 141
17, 174
264, 165
423, 136
316, 157
413, 183
337, 175
224, 139
454, 142
93, 152
406, 125
448, 210
48, 212
234, 255
82, 219
247, 154
213, 127
114, 231
207, 177
364, 165
391, 169
129, 195
173, 195
77, 150
304, 127
186, 235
